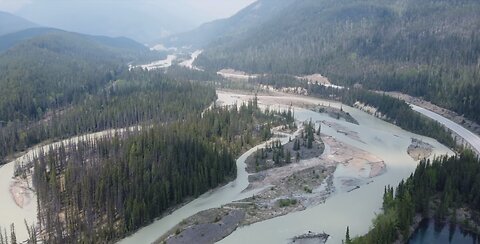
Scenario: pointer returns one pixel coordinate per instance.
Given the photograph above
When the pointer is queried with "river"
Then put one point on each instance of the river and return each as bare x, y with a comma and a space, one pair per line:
10, 212
355, 209
431, 231
467, 135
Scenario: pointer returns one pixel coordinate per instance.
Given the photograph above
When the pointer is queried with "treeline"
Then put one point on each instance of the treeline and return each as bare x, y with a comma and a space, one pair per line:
55, 79
400, 113
136, 96
54, 70
396, 111
99, 191
11, 236
439, 187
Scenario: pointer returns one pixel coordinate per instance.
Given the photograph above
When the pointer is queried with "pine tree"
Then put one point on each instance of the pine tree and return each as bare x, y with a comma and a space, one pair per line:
288, 159
1, 236
347, 237
13, 237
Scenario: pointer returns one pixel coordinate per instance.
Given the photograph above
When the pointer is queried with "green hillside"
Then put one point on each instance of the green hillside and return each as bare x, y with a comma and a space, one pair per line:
228, 29
424, 48
57, 68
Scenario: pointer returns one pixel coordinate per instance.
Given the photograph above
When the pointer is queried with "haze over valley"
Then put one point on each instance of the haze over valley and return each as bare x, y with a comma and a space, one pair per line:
267, 121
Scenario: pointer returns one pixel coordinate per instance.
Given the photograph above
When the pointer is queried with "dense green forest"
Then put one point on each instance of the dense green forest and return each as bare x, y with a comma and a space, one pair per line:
55, 69
429, 49
440, 186
228, 28
55, 84
136, 97
101, 191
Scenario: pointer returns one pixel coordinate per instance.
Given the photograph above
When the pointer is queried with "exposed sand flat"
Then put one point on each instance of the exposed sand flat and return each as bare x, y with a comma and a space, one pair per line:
319, 80
235, 74
165, 63
161, 47
314, 78
21, 191
274, 100
342, 129
382, 139
293, 187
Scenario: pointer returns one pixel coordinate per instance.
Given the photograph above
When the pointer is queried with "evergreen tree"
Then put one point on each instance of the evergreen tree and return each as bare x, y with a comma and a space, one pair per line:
13, 236
347, 236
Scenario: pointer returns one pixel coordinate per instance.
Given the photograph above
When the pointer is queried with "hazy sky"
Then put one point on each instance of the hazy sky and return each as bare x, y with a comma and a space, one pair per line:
205, 10
143, 20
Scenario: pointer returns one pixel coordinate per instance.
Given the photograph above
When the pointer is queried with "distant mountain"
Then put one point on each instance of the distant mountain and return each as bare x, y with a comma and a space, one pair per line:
143, 21
423, 48
11, 39
253, 15
120, 43
10, 23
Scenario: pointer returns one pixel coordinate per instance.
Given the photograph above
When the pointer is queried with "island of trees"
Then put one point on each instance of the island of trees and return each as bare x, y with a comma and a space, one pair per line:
99, 191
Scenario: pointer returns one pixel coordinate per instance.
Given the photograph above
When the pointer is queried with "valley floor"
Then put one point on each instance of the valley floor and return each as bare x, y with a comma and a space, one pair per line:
283, 190
275, 195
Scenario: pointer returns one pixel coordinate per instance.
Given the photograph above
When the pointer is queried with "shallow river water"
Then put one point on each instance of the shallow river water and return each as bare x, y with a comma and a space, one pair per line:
431, 231
355, 209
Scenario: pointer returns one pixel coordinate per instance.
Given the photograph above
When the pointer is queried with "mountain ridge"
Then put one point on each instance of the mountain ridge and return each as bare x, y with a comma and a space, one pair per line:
11, 23
232, 26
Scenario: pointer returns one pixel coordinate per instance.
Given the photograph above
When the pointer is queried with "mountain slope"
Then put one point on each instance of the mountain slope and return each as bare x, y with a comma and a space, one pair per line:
9, 40
142, 21
58, 68
424, 48
11, 23
255, 14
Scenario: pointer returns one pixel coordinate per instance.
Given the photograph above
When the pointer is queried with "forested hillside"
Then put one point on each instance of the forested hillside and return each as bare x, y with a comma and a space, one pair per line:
55, 84
135, 97
253, 15
423, 48
55, 69
97, 192
440, 186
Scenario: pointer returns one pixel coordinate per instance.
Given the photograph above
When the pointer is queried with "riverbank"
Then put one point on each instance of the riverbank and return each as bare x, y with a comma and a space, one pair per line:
21, 191
19, 203
375, 137
451, 115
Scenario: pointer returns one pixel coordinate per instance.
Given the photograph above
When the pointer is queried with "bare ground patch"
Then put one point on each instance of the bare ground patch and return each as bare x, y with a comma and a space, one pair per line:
419, 149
